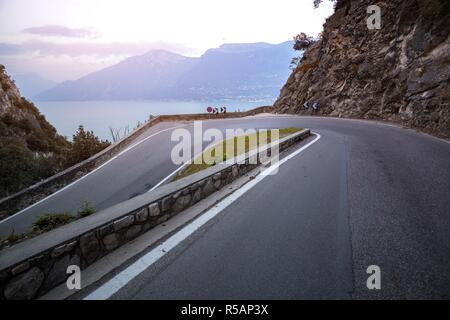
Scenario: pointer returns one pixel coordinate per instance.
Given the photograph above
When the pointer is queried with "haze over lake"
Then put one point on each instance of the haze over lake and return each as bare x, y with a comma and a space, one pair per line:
98, 116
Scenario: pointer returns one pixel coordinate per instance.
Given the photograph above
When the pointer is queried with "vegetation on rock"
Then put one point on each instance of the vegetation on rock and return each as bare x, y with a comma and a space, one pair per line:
30, 147
84, 144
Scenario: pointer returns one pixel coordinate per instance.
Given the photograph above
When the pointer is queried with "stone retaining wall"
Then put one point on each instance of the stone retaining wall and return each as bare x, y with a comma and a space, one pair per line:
40, 190
33, 267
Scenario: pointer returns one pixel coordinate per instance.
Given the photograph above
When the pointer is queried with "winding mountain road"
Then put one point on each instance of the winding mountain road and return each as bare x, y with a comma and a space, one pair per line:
364, 194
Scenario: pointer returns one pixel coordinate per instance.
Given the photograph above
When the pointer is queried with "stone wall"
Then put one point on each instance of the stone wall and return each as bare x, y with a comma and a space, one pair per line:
33, 267
36, 192
210, 116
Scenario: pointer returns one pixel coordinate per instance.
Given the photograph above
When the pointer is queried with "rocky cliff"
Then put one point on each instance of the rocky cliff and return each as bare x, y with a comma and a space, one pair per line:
21, 119
30, 148
400, 72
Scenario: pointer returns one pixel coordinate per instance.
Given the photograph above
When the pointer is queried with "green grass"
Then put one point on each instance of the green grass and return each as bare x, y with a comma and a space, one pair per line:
43, 223
47, 222
247, 143
14, 237
86, 210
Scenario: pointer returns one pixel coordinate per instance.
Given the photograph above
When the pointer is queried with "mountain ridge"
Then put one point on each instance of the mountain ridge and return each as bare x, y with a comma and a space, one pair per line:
230, 71
31, 84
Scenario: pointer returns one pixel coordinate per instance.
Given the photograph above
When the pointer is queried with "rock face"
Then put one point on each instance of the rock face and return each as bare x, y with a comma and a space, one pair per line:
25, 286
20, 119
30, 147
400, 72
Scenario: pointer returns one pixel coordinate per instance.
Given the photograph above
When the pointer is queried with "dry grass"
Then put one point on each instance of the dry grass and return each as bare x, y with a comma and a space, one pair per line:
220, 152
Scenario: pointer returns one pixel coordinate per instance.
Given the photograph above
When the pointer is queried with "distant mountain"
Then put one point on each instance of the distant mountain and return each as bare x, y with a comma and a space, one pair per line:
239, 70
255, 70
30, 84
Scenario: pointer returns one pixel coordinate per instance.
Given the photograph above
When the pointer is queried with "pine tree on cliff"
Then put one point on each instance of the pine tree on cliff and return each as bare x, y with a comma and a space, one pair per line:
85, 144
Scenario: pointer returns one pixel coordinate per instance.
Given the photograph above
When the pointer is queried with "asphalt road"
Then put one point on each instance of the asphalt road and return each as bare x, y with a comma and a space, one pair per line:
130, 174
133, 172
364, 194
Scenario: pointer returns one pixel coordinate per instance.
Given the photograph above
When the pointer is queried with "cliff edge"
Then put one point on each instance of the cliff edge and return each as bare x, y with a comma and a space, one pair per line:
400, 72
30, 147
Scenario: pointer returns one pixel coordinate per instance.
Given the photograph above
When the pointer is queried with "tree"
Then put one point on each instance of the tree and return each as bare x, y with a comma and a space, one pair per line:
318, 2
84, 145
302, 41
18, 167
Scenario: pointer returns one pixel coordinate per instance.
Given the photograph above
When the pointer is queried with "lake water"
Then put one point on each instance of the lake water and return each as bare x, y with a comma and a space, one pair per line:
98, 116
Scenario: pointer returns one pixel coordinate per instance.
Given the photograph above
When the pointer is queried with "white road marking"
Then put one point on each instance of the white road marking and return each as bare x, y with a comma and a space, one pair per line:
121, 279
184, 165
91, 172
169, 176
173, 173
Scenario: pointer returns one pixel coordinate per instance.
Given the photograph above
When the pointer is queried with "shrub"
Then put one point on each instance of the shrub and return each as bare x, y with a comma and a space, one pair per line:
49, 221
37, 142
302, 41
86, 210
318, 2
18, 167
11, 239
85, 144
14, 237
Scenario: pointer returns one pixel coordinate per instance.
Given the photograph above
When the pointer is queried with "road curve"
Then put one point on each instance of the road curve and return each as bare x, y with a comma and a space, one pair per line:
365, 194
134, 171
129, 174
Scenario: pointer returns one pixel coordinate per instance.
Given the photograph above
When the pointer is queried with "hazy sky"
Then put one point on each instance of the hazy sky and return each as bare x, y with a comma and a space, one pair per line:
65, 39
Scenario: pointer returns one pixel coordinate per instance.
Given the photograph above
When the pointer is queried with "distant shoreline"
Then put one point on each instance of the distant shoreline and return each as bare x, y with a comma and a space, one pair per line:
99, 115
